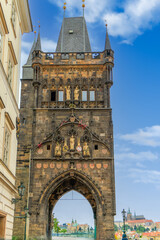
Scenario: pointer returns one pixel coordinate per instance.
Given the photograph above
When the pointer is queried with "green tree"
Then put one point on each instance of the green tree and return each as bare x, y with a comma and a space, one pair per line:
115, 228
140, 229
55, 226
63, 230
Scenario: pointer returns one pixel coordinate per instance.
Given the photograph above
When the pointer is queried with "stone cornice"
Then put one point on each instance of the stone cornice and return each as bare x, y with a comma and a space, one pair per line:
25, 16
12, 52
5, 180
1, 103
3, 20
9, 120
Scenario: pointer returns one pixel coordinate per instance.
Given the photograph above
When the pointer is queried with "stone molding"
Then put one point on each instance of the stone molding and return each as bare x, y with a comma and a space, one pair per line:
3, 20
9, 120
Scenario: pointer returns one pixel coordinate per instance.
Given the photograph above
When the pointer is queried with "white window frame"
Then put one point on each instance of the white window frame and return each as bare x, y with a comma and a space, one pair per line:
7, 144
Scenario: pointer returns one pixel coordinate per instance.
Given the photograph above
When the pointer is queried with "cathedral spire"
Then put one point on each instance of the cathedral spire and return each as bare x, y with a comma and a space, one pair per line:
38, 43
107, 43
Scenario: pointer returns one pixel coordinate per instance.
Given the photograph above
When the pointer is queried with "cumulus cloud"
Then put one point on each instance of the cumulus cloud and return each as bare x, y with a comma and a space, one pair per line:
136, 16
145, 176
149, 136
126, 19
93, 10
48, 45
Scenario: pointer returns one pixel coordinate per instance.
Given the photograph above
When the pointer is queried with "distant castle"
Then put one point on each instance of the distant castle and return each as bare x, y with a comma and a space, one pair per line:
134, 217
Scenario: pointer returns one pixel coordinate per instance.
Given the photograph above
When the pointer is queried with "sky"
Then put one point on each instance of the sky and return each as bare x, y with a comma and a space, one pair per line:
134, 29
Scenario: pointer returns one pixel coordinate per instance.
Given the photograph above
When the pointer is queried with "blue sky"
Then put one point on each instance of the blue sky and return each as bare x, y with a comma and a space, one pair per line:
134, 28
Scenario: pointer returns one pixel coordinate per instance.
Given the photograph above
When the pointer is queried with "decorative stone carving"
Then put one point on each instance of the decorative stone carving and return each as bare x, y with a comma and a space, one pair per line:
72, 143
76, 93
86, 151
68, 93
65, 147
79, 148
58, 149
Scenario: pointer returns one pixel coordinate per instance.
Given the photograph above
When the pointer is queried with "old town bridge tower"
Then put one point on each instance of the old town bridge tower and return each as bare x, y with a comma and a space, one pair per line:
66, 134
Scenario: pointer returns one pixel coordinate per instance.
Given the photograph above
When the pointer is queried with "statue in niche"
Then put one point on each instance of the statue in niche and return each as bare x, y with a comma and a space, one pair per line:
68, 93
65, 147
86, 151
58, 149
79, 148
76, 93
72, 143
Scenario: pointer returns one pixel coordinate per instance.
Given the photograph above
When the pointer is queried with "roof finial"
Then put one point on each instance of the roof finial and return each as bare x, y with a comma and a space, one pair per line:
64, 7
107, 42
83, 6
38, 43
39, 25
34, 34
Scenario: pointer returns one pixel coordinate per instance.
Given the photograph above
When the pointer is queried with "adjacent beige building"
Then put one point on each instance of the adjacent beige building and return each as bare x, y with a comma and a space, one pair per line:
15, 20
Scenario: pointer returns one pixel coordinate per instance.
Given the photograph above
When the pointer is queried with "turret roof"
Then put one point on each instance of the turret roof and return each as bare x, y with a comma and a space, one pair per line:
74, 36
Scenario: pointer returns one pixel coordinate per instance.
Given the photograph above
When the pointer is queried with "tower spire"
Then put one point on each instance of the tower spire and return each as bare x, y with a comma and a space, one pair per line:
29, 60
64, 7
38, 43
107, 42
83, 6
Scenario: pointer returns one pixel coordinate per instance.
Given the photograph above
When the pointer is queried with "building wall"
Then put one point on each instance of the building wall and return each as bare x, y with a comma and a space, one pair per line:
12, 26
46, 123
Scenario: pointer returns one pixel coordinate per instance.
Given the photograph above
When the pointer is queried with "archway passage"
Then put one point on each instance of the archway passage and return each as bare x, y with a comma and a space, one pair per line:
44, 201
74, 216
72, 182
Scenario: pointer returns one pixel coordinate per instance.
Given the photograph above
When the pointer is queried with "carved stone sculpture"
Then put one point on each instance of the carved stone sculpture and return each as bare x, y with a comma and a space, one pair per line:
76, 93
58, 149
86, 151
72, 143
68, 93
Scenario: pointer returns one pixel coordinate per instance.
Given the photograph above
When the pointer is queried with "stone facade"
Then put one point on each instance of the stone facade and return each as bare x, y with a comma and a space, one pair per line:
66, 138
14, 21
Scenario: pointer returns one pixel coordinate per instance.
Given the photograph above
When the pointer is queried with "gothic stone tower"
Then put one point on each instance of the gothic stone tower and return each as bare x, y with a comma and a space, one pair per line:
66, 137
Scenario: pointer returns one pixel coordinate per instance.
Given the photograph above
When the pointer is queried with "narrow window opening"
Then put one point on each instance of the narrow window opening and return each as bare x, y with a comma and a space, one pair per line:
60, 96
96, 147
84, 95
24, 121
53, 96
92, 95
48, 147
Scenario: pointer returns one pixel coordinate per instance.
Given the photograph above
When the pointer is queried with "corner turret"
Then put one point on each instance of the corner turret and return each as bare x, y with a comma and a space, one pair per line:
107, 42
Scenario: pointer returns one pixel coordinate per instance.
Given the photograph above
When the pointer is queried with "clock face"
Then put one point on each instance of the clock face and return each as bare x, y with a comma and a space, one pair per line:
79, 148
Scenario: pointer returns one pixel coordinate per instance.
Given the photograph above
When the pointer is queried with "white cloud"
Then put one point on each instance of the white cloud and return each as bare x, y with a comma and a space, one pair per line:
145, 176
149, 136
48, 45
133, 18
93, 10
137, 16
140, 156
